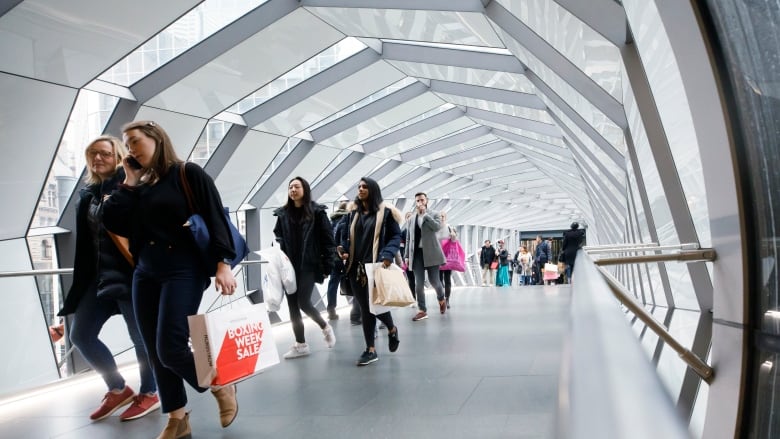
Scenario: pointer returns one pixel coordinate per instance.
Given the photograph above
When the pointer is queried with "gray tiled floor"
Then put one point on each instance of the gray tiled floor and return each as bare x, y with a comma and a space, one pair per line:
488, 369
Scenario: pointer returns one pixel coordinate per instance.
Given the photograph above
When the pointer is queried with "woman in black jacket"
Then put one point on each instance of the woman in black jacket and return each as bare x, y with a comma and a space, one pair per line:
101, 287
171, 274
305, 235
365, 243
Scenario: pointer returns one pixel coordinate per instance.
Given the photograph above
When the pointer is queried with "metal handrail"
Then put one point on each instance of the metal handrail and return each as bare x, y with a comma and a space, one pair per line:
43, 272
643, 248
624, 296
702, 255
589, 248
607, 382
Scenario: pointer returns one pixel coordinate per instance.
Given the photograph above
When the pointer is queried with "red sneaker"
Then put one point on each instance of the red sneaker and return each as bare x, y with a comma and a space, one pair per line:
111, 402
142, 405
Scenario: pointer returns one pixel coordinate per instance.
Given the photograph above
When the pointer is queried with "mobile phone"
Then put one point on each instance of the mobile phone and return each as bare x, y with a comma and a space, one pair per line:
133, 163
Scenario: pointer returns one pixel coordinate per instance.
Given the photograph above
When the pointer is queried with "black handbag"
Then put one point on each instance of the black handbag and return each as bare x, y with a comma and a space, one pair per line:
345, 287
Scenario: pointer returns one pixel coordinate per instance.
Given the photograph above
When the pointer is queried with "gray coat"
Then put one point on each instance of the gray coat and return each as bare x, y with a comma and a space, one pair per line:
431, 248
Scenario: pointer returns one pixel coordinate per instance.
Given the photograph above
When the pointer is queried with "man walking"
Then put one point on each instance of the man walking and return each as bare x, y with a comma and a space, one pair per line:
486, 257
542, 255
423, 253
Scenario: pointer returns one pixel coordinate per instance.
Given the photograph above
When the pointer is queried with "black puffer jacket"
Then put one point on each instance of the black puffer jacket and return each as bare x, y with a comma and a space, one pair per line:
319, 249
97, 262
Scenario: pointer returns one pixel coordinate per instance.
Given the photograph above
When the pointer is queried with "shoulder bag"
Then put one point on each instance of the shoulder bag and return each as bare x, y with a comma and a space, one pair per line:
200, 231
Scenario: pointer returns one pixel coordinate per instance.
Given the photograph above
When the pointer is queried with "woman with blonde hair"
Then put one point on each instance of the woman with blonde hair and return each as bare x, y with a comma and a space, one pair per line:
171, 275
102, 276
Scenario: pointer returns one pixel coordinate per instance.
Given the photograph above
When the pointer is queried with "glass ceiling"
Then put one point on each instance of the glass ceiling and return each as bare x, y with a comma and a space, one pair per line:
450, 91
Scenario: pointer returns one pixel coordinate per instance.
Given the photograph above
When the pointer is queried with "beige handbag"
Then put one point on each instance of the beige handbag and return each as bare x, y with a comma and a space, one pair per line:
391, 287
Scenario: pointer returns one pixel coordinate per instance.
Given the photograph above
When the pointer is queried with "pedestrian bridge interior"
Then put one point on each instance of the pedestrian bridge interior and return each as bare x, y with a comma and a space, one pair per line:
649, 122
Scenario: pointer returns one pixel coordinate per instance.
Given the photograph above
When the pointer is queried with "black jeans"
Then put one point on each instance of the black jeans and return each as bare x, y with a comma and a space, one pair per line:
168, 285
446, 278
369, 320
301, 301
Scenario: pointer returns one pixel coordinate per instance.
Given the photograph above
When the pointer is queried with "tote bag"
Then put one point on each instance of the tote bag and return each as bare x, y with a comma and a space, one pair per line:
550, 271
232, 345
391, 287
454, 254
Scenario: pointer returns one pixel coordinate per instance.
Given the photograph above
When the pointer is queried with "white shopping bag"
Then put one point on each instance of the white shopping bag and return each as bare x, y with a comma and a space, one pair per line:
232, 345
372, 308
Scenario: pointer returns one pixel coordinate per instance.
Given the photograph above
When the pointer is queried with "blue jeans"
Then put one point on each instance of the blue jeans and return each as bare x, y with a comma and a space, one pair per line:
90, 316
333, 285
168, 285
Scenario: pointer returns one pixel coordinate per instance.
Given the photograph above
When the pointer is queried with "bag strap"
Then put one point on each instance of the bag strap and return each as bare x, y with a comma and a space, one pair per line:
185, 185
378, 230
123, 245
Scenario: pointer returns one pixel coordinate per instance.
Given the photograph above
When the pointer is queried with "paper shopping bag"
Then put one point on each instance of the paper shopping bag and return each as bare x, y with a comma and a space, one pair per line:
391, 287
550, 271
232, 345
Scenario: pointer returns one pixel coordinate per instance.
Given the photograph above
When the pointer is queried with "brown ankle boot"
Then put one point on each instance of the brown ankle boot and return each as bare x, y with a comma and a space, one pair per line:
176, 428
228, 404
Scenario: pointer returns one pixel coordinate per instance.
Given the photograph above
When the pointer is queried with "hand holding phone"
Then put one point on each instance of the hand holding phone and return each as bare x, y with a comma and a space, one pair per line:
133, 163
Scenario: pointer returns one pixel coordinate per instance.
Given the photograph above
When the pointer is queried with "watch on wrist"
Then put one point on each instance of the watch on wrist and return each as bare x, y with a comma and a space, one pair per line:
226, 261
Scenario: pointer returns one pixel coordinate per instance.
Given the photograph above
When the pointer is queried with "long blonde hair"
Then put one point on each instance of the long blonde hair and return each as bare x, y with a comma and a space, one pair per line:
119, 154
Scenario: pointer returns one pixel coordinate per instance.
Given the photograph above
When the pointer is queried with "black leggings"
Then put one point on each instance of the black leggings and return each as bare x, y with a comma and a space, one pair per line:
369, 320
446, 279
301, 301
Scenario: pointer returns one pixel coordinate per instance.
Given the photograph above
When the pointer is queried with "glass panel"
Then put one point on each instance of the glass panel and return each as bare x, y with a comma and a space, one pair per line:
322, 61
607, 128
405, 82
680, 281
239, 175
26, 342
468, 28
389, 118
617, 171
192, 28
669, 95
346, 185
441, 131
584, 47
497, 107
209, 141
553, 141
373, 81
748, 34
460, 147
71, 42
242, 69
483, 78
87, 120
671, 368
317, 159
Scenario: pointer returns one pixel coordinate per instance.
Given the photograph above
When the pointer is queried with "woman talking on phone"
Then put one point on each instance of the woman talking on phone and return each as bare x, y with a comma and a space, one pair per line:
170, 276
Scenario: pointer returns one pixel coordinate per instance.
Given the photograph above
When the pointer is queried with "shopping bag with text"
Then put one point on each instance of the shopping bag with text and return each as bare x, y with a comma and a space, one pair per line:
232, 345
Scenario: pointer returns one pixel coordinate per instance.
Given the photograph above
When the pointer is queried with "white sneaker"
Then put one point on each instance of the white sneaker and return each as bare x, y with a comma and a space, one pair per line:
330, 337
297, 350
